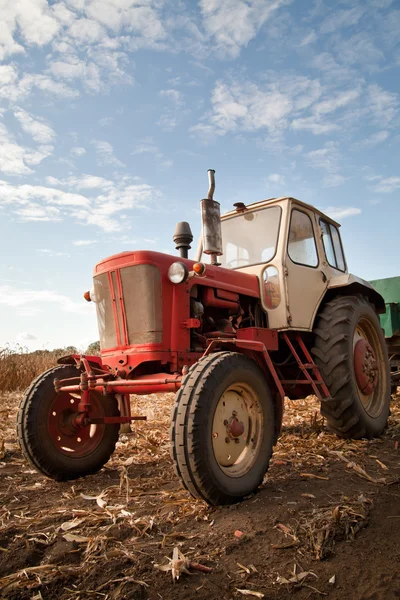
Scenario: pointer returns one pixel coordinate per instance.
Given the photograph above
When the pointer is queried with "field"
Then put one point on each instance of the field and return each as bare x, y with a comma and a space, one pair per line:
326, 522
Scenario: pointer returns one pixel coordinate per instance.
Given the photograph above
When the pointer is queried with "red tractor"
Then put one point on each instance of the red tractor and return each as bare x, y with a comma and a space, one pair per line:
273, 313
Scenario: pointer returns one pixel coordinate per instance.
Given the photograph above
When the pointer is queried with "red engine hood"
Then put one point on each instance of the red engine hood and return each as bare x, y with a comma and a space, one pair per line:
236, 281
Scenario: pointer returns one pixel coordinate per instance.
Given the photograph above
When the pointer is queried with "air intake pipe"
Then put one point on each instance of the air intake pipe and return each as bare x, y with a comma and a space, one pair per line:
183, 237
211, 224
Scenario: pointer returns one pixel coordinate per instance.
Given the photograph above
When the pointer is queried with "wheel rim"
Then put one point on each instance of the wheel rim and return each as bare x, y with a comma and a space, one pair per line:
69, 438
237, 429
368, 358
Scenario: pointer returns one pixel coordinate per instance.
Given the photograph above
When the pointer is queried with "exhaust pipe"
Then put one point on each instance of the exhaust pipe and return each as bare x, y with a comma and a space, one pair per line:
211, 224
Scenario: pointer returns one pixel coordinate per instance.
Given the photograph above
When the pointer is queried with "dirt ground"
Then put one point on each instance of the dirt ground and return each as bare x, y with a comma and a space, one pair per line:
325, 523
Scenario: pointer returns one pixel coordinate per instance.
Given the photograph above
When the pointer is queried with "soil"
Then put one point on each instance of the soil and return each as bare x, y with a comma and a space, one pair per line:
325, 522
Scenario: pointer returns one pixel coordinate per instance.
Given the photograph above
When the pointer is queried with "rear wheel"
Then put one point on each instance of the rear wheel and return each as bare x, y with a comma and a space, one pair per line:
222, 430
48, 434
350, 351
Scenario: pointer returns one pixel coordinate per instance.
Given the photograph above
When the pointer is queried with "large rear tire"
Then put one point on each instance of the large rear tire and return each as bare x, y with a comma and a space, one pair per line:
223, 428
48, 437
350, 351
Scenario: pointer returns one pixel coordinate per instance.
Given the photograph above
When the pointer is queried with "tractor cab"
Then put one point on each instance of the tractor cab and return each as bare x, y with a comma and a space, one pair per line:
295, 251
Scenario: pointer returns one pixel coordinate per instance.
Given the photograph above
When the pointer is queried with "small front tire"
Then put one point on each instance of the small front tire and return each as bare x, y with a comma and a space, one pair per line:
223, 428
47, 435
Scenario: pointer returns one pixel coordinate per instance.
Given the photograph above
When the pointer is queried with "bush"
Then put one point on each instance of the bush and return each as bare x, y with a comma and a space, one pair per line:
18, 368
93, 349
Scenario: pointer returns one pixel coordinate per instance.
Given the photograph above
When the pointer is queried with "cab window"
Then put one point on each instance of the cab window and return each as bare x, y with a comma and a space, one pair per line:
332, 245
302, 248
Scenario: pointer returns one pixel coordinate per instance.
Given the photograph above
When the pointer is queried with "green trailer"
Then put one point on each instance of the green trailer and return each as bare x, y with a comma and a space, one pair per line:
390, 290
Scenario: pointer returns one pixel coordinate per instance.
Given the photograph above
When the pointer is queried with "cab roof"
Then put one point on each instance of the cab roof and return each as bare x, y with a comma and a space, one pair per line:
271, 201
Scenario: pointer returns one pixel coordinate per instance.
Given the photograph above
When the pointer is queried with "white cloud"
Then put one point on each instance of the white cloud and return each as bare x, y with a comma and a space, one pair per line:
310, 38
84, 242
173, 95
276, 178
387, 185
341, 212
382, 105
16, 159
142, 19
314, 124
14, 88
25, 336
231, 24
38, 129
338, 101
78, 151
333, 180
105, 153
34, 21
373, 140
86, 30
342, 18
102, 209
20, 297
146, 146
279, 103
87, 182
325, 158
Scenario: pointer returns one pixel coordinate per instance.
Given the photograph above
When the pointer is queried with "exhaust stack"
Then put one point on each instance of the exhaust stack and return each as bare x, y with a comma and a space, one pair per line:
211, 222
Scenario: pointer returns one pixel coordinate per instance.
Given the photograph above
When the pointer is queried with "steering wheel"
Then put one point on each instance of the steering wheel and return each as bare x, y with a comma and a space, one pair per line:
236, 260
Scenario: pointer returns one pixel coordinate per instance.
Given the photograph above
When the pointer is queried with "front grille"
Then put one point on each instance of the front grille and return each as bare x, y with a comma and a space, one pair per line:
105, 313
141, 287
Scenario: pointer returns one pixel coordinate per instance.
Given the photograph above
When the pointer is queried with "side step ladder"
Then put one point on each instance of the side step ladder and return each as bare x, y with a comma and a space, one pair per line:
308, 368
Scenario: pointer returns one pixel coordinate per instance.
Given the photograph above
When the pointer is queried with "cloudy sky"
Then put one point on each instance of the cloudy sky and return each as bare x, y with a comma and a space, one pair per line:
111, 112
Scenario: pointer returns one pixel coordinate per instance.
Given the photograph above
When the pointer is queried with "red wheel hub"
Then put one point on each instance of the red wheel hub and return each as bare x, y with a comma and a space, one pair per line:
365, 367
236, 428
66, 433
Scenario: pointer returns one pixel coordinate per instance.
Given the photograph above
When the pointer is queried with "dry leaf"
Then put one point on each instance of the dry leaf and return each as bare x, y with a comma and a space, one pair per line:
332, 580
250, 593
382, 465
313, 476
362, 473
99, 499
177, 564
244, 568
311, 496
71, 537
71, 524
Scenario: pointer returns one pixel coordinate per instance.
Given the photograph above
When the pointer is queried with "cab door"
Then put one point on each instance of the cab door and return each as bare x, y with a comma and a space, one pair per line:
304, 272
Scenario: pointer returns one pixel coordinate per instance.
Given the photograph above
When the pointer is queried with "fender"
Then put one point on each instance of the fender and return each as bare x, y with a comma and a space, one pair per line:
348, 285
71, 359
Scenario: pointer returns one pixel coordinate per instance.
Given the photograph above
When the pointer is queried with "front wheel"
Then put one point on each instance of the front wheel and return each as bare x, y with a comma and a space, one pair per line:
49, 437
350, 351
223, 428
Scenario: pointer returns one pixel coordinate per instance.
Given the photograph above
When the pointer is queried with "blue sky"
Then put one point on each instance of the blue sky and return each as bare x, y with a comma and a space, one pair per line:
111, 111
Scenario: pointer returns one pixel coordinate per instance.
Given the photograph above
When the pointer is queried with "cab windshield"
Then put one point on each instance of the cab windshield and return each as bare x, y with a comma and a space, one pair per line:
250, 238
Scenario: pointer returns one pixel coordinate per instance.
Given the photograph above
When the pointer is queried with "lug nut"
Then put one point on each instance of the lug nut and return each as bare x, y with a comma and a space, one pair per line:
227, 440
225, 422
237, 441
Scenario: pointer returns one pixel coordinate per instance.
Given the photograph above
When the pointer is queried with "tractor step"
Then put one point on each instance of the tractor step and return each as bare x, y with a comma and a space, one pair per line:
308, 368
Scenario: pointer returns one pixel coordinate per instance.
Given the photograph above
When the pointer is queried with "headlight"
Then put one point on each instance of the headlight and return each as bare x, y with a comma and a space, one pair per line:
178, 272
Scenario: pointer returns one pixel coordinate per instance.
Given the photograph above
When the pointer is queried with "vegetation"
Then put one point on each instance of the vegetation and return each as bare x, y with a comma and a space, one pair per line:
93, 349
18, 367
